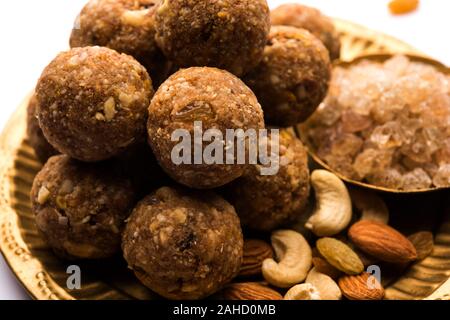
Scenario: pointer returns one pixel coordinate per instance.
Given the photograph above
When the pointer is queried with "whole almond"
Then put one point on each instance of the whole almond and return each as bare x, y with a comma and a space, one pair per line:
361, 287
323, 266
249, 291
382, 242
340, 255
255, 252
423, 242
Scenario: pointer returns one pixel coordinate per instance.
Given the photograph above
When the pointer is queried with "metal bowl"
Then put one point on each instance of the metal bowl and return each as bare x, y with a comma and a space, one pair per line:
302, 129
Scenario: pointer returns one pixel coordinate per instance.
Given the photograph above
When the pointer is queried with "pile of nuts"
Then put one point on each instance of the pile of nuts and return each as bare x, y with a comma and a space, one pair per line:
336, 262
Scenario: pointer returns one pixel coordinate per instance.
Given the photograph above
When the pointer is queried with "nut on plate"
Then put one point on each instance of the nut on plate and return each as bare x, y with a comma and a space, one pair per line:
333, 210
249, 291
294, 259
423, 242
325, 285
255, 252
382, 241
340, 255
361, 287
304, 291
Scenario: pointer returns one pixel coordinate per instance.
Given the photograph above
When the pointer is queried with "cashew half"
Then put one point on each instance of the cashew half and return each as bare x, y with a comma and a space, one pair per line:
327, 287
333, 210
295, 259
304, 291
371, 205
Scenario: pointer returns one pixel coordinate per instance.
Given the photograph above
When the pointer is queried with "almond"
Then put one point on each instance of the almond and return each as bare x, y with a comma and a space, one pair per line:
255, 252
249, 291
423, 242
382, 242
361, 287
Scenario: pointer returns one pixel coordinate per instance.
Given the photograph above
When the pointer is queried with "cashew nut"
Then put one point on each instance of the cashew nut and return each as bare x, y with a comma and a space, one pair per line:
295, 258
333, 210
327, 287
371, 205
304, 291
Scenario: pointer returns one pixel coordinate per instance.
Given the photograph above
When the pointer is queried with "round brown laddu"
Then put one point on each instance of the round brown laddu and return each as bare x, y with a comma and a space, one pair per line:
311, 19
93, 102
127, 26
183, 244
292, 79
226, 34
220, 101
80, 208
267, 202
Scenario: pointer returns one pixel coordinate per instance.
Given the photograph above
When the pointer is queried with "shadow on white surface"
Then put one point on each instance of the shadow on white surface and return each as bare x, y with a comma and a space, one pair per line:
10, 288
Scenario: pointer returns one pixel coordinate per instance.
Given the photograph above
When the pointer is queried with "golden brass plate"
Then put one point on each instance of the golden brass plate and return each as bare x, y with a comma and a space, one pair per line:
44, 276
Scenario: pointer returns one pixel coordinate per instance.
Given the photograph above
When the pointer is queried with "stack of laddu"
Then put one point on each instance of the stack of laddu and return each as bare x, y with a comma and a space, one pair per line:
137, 71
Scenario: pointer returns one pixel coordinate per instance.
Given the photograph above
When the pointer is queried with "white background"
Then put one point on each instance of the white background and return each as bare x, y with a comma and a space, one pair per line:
32, 32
